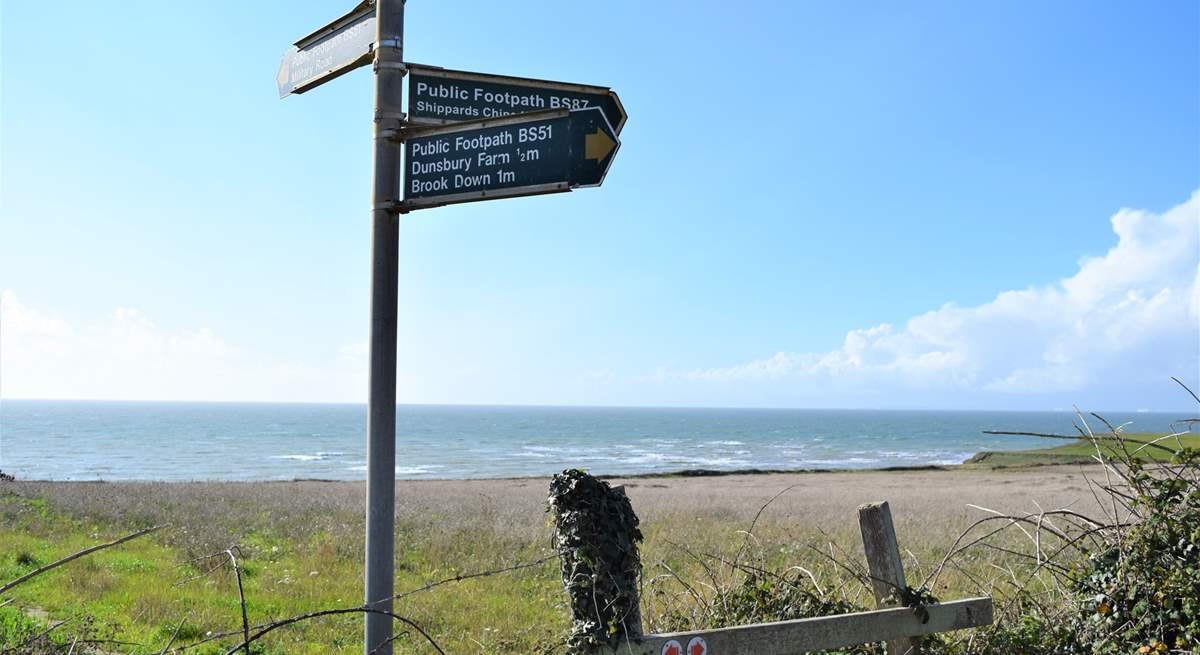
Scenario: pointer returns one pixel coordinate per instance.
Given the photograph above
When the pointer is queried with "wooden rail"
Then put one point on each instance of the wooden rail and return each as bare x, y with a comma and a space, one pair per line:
820, 633
897, 625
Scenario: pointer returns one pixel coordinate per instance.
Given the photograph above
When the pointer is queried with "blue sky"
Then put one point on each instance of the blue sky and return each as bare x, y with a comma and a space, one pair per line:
792, 177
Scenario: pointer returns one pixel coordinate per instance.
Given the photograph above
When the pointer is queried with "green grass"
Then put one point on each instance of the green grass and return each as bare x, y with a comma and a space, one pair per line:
304, 552
139, 591
1083, 451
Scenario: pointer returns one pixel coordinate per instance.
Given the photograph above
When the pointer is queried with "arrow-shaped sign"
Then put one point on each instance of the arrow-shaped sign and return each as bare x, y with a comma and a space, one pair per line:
330, 52
438, 96
529, 154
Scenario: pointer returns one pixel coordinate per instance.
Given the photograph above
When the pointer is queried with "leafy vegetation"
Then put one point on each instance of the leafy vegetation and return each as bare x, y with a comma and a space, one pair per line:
1139, 587
596, 537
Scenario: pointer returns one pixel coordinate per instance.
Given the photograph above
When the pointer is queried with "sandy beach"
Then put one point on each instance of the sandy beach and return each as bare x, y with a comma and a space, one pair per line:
922, 498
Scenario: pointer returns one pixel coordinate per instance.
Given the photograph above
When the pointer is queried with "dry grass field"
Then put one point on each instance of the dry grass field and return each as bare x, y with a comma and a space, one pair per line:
301, 550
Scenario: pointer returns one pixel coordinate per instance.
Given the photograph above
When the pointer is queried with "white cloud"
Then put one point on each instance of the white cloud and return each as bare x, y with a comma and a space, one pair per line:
1107, 337
126, 356
1129, 317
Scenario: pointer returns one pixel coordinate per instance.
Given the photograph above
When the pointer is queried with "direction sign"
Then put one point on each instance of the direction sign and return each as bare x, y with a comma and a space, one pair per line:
529, 154
330, 52
438, 96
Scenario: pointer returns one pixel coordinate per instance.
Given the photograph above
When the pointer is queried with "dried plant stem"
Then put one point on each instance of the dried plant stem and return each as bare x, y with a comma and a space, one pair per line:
174, 634
20, 647
86, 551
237, 572
275, 625
480, 574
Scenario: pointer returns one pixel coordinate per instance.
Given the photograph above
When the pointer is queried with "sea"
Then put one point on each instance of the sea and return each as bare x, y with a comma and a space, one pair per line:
85, 440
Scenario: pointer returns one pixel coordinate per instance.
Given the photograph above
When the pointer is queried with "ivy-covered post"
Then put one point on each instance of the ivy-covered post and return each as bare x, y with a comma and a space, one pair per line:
596, 536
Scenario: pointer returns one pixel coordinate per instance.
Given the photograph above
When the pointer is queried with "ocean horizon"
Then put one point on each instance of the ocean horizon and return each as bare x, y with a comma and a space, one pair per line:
206, 441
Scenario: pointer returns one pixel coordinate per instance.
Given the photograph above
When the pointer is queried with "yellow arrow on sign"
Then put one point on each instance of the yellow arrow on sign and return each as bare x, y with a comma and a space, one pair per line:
597, 145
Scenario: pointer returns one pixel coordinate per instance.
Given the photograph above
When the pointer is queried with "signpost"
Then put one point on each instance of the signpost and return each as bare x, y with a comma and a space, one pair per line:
494, 136
380, 567
501, 151
330, 52
437, 96
530, 154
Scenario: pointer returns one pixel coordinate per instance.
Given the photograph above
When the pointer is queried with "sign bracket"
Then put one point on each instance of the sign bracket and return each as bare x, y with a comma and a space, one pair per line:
381, 115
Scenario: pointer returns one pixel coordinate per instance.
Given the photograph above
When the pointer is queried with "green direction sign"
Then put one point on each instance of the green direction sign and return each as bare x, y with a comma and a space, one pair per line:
529, 154
439, 96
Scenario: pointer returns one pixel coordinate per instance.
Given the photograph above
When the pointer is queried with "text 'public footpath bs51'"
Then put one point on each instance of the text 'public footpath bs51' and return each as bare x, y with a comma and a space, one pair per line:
526, 154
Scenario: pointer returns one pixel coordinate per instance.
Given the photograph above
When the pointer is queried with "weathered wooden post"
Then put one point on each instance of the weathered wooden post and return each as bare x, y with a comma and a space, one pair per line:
886, 567
596, 535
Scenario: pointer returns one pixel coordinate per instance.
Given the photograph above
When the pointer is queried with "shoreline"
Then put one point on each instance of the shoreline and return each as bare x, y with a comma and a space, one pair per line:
680, 474
1076, 453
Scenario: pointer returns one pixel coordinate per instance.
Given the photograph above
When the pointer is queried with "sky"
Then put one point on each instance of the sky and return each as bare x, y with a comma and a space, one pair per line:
938, 205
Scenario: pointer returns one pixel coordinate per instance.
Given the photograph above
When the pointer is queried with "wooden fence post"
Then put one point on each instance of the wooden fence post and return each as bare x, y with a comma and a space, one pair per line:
885, 565
596, 536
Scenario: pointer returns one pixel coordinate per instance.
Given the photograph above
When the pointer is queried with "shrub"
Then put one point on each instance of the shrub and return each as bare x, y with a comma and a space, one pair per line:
1125, 582
1139, 588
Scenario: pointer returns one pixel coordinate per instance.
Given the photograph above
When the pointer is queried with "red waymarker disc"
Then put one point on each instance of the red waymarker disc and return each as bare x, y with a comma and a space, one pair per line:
697, 646
672, 647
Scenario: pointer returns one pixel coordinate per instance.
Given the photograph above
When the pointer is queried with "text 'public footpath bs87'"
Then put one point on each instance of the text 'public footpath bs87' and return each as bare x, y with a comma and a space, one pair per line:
464, 137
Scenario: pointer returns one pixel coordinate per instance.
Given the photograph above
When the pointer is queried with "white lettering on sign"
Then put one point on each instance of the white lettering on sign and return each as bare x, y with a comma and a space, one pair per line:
529, 101
442, 165
536, 133
449, 111
567, 103
494, 160
525, 154
446, 91
427, 186
439, 147
461, 100
483, 141
310, 62
469, 181
492, 112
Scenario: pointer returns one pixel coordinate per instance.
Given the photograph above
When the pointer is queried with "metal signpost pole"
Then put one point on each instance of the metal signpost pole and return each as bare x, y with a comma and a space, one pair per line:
510, 150
381, 403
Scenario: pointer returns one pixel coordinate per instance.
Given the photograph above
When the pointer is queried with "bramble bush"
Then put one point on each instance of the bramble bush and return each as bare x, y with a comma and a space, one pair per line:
1124, 582
1140, 589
